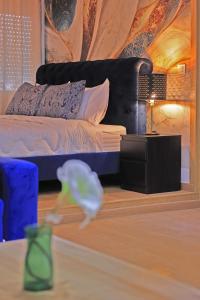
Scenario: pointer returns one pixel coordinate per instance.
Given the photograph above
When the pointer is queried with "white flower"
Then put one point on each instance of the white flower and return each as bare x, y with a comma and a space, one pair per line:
84, 186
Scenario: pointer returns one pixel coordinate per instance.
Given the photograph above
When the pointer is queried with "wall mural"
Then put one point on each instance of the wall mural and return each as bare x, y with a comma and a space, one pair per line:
100, 29
156, 29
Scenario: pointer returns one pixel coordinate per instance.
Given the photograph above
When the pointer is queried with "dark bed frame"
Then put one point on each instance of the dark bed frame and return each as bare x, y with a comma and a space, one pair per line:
123, 109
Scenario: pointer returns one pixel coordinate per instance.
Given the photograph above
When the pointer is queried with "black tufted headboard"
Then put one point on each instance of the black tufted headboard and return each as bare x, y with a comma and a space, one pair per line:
123, 108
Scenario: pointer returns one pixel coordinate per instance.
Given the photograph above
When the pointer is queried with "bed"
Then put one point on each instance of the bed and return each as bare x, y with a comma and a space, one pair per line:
49, 142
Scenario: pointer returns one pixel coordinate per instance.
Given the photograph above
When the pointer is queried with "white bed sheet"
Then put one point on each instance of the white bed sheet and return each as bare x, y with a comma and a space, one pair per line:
22, 136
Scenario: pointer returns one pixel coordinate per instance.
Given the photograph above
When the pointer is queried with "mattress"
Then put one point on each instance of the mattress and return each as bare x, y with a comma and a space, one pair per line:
25, 136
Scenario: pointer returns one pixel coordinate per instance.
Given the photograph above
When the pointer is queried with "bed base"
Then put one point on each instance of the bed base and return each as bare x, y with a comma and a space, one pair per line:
103, 163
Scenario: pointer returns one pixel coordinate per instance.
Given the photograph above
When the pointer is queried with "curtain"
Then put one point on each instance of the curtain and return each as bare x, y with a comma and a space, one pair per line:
20, 38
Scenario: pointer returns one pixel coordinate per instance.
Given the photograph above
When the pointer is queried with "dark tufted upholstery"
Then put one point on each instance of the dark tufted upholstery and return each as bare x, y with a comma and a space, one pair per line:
123, 107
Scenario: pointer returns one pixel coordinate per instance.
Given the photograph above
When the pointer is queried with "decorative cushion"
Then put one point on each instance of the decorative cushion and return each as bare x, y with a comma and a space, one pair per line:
95, 103
62, 101
26, 99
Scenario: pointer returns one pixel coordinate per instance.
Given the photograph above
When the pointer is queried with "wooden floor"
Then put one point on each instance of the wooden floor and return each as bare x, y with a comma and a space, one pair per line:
158, 232
167, 243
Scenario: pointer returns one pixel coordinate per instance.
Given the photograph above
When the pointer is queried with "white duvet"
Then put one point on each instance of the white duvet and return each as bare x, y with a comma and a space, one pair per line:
22, 136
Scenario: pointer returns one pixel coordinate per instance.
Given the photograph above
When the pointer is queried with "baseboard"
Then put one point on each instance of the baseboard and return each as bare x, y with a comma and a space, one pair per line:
187, 187
129, 206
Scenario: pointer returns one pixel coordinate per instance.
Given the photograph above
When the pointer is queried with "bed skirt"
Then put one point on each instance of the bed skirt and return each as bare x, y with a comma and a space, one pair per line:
103, 163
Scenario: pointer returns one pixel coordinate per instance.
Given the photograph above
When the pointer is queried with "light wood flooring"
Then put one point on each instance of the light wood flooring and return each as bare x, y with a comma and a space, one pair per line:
159, 232
167, 243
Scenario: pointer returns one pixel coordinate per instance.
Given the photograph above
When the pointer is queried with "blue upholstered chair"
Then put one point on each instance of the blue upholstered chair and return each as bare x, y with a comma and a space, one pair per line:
19, 192
1, 220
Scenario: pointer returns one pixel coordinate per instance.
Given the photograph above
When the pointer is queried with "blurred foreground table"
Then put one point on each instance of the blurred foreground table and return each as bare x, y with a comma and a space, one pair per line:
84, 274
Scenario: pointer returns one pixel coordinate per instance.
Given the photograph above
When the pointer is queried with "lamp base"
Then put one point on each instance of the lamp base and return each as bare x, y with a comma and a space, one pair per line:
152, 133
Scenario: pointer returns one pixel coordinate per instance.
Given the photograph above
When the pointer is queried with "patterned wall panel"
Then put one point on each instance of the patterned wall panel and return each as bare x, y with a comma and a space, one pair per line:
99, 29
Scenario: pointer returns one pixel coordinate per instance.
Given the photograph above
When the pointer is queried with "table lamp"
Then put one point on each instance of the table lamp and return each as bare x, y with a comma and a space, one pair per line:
152, 87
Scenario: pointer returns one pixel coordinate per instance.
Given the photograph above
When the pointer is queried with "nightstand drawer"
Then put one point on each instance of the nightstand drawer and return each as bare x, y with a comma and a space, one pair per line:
150, 164
136, 150
133, 173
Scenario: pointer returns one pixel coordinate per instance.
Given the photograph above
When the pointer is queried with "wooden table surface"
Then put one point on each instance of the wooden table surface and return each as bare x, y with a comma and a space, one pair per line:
83, 274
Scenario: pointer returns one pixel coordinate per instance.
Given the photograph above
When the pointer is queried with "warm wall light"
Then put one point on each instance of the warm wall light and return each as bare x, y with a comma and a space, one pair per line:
178, 69
172, 110
179, 83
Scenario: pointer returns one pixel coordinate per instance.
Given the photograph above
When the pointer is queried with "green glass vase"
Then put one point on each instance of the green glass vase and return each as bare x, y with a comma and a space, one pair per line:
38, 268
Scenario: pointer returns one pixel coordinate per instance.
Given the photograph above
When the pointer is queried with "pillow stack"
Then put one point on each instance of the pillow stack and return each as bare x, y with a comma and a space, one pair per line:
62, 101
26, 99
69, 101
95, 103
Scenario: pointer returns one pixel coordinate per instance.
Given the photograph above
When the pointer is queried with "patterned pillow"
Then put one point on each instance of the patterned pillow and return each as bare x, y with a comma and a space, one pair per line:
26, 99
62, 101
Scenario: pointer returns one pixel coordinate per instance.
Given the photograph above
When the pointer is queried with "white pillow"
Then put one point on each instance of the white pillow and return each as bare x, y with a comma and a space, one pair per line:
94, 103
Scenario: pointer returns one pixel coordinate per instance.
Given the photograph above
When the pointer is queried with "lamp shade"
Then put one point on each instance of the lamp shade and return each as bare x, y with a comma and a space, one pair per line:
152, 86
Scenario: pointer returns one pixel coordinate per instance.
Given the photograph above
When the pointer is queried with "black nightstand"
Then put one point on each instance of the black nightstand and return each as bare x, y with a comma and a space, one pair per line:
150, 163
